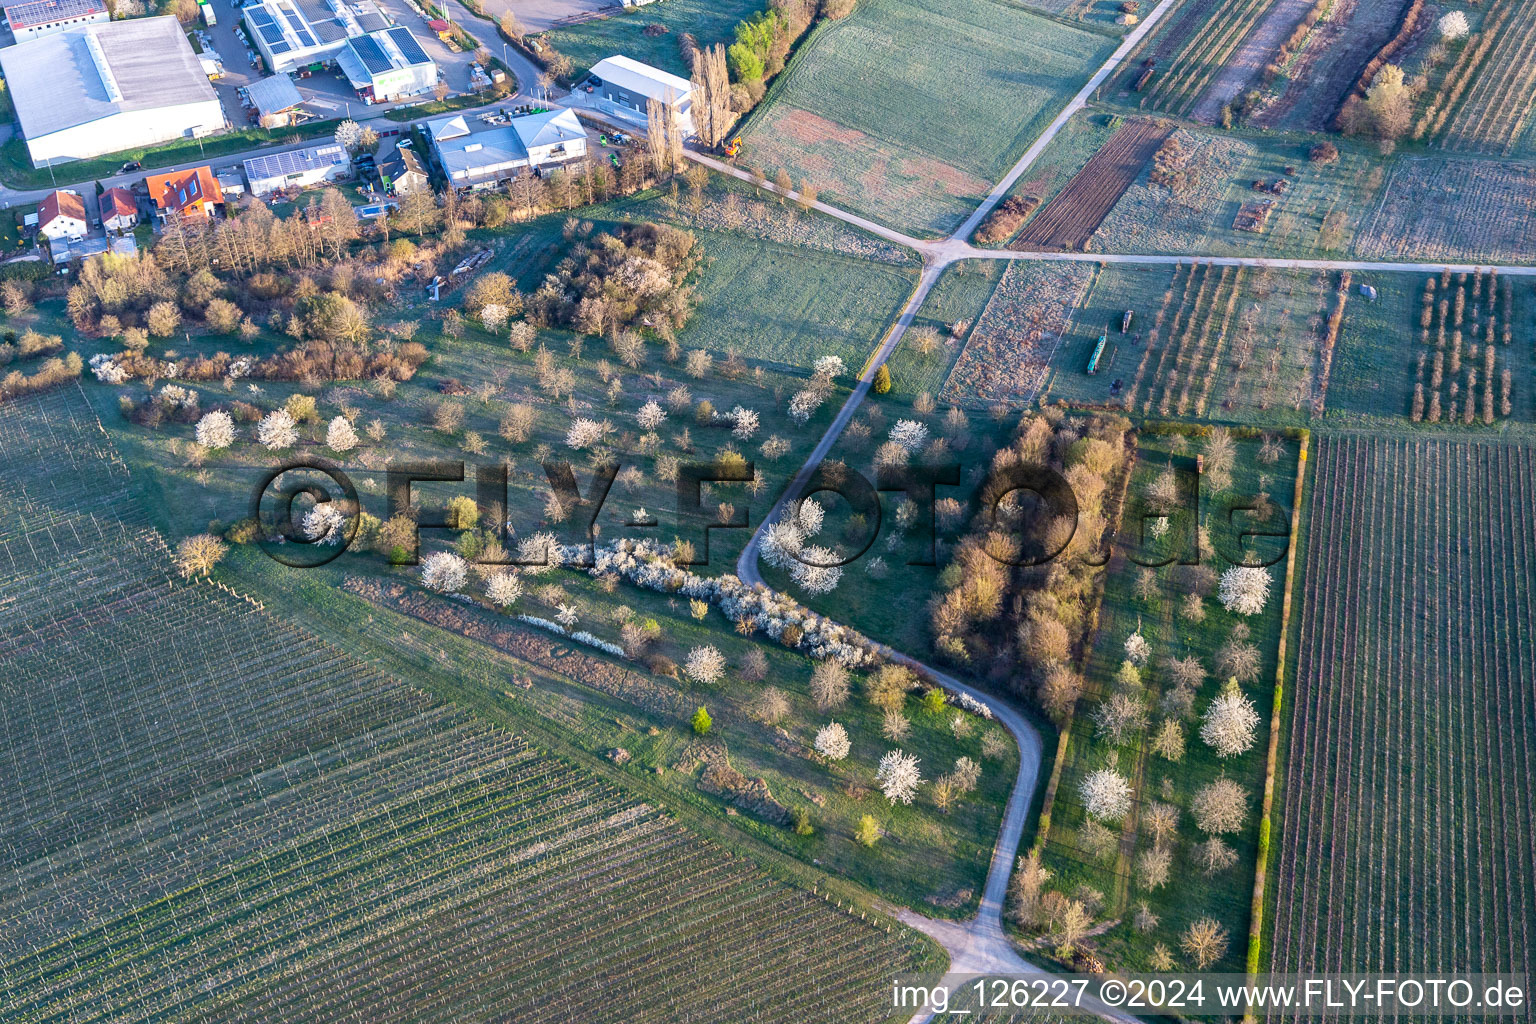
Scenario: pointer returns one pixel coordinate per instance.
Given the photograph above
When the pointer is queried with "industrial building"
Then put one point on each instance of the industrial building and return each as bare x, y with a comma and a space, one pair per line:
294, 33
297, 168
623, 87
387, 65
102, 88
45, 17
484, 159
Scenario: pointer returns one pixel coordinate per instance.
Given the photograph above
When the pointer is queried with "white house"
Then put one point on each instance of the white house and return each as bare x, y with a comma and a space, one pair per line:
95, 89
623, 87
61, 215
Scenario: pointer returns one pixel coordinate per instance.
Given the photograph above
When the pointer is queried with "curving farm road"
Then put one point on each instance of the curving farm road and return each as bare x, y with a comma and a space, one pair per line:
979, 945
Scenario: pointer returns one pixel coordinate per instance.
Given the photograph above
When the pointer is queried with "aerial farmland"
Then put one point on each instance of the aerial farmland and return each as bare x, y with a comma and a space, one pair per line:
796, 511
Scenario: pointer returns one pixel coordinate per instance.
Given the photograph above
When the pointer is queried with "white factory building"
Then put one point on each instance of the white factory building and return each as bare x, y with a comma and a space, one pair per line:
45, 17
294, 33
298, 168
484, 159
103, 88
387, 65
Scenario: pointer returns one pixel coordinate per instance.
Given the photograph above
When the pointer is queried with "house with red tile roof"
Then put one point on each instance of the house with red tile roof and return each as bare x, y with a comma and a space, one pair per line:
119, 210
61, 215
192, 193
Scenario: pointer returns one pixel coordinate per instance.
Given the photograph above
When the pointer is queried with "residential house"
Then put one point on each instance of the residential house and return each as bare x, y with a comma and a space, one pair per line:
191, 193
119, 210
401, 171
61, 215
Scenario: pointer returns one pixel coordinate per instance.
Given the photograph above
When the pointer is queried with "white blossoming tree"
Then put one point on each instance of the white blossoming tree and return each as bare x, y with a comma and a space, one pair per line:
277, 430
325, 524
1245, 589
781, 542
1231, 722
339, 435
1106, 795
829, 366
493, 317
651, 415
503, 589
832, 742
745, 423
1137, 650
1453, 26
348, 134
899, 776
584, 433
809, 516
812, 571
215, 430
704, 664
444, 572
910, 434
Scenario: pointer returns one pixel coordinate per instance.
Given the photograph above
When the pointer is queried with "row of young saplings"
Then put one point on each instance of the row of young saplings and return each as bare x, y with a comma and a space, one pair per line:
1448, 385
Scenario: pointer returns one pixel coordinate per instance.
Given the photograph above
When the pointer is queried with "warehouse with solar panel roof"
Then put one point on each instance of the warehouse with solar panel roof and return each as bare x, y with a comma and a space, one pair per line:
381, 60
387, 65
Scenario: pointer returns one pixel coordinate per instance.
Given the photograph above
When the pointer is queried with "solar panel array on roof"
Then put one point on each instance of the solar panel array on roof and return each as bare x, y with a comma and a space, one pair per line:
409, 47
371, 55
300, 29
259, 17
271, 33
281, 46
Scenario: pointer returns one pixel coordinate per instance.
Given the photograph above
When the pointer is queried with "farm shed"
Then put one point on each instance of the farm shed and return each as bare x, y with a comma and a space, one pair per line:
297, 168
95, 89
274, 97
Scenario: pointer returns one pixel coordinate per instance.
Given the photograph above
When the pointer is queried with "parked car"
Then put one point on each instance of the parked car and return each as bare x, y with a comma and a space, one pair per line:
131, 165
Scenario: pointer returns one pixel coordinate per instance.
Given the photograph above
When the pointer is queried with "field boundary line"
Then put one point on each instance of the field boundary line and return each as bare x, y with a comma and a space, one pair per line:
1266, 828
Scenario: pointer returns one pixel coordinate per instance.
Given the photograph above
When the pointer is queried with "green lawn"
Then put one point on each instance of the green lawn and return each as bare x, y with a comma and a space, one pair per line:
909, 112
710, 22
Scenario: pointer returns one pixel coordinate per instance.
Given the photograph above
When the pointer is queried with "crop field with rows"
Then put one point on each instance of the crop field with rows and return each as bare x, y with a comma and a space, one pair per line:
1315, 213
210, 814
908, 112
1187, 51
1464, 210
1484, 102
1408, 840
1071, 218
1010, 348
1204, 342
